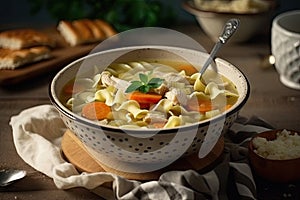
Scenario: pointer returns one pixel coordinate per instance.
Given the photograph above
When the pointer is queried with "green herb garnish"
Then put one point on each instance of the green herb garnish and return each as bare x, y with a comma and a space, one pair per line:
144, 85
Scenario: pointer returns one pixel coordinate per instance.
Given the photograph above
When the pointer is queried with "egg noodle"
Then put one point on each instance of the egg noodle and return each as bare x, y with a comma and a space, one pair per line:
172, 98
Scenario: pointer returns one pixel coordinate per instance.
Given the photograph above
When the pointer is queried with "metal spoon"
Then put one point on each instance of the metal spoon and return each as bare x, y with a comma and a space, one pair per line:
8, 176
229, 29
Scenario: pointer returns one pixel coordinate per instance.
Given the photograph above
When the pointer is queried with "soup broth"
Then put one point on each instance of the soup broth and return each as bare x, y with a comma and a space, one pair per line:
149, 94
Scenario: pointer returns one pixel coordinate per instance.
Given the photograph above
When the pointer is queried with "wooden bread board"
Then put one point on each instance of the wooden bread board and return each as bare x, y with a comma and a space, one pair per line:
62, 55
75, 152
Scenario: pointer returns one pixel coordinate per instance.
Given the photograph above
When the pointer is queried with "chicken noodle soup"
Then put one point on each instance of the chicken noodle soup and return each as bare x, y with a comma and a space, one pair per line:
156, 94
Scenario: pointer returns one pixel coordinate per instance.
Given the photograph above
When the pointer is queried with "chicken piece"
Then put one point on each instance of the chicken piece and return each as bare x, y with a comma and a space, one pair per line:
175, 77
161, 90
155, 117
109, 80
120, 84
177, 96
170, 77
106, 79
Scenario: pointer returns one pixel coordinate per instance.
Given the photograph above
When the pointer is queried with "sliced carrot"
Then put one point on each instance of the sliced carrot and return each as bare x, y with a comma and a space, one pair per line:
205, 106
189, 69
72, 88
96, 111
200, 106
228, 106
143, 98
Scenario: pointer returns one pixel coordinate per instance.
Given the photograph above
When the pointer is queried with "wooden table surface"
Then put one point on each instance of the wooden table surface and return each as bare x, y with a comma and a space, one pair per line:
269, 99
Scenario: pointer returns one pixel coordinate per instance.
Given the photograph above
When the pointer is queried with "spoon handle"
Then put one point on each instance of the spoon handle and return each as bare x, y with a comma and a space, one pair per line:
229, 29
211, 58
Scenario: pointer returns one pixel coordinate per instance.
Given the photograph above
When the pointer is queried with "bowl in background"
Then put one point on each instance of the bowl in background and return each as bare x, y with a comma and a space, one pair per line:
281, 171
212, 22
143, 150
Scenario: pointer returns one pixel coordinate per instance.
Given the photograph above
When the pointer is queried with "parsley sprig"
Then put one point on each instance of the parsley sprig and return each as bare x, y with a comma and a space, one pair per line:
144, 84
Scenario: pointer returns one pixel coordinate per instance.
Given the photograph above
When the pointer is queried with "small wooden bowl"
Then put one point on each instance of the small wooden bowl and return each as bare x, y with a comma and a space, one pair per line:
281, 171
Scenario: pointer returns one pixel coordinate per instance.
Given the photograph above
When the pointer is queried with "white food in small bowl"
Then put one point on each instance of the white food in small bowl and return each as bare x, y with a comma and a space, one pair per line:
275, 155
285, 146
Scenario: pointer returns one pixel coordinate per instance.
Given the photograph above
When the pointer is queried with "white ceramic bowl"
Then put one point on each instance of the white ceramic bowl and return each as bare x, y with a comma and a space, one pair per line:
212, 22
140, 150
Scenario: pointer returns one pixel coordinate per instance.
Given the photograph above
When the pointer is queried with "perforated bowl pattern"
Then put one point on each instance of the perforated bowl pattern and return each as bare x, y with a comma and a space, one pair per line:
156, 148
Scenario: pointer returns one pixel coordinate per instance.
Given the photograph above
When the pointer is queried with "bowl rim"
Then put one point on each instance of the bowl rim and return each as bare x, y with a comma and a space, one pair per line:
190, 6
276, 23
54, 99
272, 132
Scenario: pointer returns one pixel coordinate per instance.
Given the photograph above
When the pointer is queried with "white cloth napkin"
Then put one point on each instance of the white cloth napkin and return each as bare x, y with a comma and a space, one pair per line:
37, 134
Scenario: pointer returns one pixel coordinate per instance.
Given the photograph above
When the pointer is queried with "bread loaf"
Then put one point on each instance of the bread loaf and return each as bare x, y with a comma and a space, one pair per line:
11, 59
24, 38
85, 31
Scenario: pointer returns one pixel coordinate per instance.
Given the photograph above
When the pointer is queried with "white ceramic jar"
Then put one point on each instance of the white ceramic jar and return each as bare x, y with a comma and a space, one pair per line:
285, 46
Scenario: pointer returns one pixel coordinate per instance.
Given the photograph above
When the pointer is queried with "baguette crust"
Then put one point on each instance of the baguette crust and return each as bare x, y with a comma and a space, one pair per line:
97, 32
24, 38
68, 31
11, 59
107, 28
85, 31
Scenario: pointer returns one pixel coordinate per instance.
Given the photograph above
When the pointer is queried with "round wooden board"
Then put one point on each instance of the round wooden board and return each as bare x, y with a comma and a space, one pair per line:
75, 152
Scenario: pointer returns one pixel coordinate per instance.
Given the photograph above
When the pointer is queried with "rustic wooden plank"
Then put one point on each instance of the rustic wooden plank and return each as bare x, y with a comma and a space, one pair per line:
269, 99
74, 194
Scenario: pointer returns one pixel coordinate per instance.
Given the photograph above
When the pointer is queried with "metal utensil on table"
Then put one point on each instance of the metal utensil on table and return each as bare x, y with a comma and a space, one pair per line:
229, 29
8, 176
